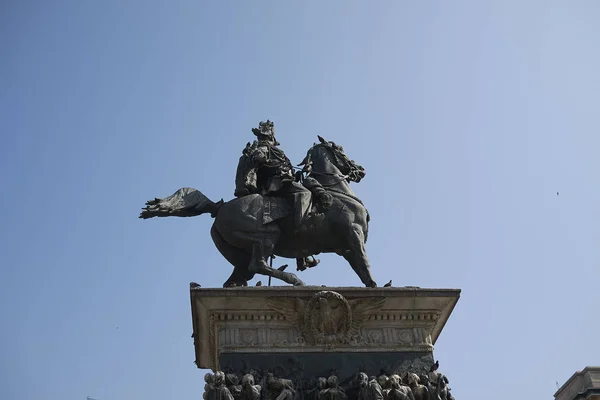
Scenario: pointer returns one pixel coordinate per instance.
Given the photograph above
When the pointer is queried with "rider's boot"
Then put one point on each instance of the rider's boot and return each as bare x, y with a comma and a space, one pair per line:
301, 263
306, 262
323, 200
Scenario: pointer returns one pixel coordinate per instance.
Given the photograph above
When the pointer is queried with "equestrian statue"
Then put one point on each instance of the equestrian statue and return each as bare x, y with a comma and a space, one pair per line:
277, 212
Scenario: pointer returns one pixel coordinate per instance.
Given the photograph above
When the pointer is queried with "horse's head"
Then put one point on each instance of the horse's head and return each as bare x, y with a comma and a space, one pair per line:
333, 154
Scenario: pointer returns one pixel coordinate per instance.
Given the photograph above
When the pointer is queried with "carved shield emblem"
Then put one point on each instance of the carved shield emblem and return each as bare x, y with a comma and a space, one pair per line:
327, 317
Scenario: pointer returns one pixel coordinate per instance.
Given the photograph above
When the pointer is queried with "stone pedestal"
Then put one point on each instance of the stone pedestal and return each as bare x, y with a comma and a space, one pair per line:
583, 385
309, 332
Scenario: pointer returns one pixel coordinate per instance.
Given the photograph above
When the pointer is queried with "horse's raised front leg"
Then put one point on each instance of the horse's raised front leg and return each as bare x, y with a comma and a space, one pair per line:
258, 265
356, 256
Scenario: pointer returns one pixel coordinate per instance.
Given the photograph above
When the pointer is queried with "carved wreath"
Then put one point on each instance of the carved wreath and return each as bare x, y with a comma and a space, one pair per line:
327, 317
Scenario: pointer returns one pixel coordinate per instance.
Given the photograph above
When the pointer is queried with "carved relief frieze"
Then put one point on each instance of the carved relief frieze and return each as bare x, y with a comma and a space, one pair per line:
325, 321
417, 379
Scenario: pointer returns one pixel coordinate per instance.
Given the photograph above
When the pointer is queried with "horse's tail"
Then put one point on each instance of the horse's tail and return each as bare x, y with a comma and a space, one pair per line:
186, 202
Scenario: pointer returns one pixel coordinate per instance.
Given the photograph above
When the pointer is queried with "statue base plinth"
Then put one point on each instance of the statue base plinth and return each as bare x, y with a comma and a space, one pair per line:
314, 331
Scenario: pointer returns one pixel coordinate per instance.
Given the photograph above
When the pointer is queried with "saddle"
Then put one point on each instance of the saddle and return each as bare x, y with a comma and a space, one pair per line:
307, 199
303, 208
275, 208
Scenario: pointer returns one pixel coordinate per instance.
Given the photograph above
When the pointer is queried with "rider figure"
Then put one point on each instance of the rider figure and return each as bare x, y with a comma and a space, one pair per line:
264, 168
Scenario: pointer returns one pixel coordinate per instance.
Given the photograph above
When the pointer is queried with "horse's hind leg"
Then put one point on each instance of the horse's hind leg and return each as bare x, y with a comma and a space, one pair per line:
237, 257
261, 249
356, 256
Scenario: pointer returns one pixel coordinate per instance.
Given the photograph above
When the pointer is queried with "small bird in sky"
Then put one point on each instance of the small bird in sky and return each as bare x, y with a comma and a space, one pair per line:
194, 285
557, 193
259, 283
389, 284
435, 366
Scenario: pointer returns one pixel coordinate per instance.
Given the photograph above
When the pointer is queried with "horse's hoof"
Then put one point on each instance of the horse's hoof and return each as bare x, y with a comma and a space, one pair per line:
294, 280
372, 284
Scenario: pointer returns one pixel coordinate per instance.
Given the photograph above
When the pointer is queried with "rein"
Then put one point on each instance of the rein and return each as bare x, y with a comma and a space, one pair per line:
341, 177
329, 187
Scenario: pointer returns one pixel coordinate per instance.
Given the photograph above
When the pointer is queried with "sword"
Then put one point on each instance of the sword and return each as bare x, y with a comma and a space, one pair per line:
282, 268
272, 256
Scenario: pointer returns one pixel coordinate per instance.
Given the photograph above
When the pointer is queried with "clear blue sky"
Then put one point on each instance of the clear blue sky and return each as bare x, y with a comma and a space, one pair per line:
468, 116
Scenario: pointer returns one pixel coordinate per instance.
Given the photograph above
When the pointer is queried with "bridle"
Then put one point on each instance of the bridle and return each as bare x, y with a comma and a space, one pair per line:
340, 159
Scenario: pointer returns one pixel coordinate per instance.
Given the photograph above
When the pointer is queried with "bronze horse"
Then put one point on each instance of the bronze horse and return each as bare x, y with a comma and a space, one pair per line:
243, 238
